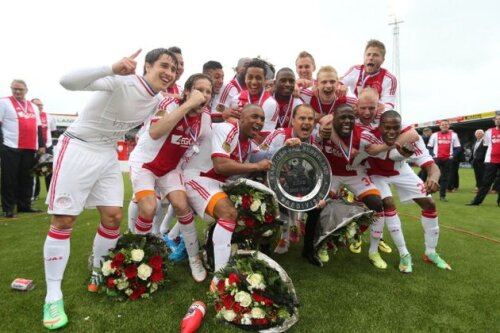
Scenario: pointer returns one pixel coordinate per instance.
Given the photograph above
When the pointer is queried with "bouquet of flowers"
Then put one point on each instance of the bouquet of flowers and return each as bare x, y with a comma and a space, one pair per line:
257, 207
255, 293
44, 166
342, 223
136, 268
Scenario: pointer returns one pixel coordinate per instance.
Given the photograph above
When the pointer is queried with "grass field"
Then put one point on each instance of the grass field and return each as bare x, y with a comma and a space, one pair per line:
347, 295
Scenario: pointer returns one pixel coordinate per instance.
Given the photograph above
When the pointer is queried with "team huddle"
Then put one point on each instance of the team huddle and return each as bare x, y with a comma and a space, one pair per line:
196, 138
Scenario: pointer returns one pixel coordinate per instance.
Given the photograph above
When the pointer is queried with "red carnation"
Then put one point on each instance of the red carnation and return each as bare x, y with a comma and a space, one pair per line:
249, 222
157, 275
237, 307
111, 283
260, 321
228, 301
134, 295
131, 271
233, 278
118, 260
259, 298
221, 286
141, 289
156, 262
268, 218
246, 201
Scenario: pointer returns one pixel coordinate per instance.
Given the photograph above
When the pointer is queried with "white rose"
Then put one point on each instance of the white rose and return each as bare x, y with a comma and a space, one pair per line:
121, 284
129, 292
107, 269
255, 205
258, 313
228, 315
268, 233
243, 298
255, 281
144, 271
137, 255
246, 319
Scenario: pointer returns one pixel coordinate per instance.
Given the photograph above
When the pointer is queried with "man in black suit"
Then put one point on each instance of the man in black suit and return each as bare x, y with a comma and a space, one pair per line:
477, 158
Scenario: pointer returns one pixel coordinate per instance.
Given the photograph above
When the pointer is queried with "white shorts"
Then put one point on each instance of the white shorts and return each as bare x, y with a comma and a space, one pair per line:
360, 185
200, 191
84, 176
408, 185
143, 179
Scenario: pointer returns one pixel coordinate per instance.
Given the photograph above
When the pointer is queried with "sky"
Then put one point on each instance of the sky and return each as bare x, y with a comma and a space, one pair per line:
449, 51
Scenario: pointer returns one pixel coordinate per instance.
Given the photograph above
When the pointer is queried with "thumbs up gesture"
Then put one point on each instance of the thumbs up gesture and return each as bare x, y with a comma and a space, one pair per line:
126, 65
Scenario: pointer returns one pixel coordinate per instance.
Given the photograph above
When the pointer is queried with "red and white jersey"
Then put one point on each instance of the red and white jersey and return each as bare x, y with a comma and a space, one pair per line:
164, 154
312, 98
229, 91
285, 108
20, 121
340, 160
385, 163
48, 126
175, 89
492, 140
216, 107
119, 104
225, 142
443, 144
266, 101
383, 81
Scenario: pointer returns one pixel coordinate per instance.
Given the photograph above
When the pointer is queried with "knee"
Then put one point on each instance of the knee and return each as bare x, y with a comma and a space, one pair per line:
147, 208
112, 218
230, 213
428, 205
181, 207
63, 221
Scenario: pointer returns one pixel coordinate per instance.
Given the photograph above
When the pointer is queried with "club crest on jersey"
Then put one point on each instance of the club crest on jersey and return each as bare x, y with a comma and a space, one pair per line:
264, 147
219, 107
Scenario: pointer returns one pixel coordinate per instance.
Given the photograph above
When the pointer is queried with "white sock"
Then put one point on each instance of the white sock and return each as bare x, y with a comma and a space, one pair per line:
430, 224
394, 225
222, 242
105, 239
166, 224
376, 232
188, 230
56, 254
143, 226
133, 212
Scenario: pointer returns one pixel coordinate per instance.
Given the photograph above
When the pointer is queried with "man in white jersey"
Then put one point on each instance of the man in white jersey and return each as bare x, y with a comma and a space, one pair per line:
388, 169
283, 94
154, 161
233, 88
215, 71
305, 67
225, 155
20, 138
86, 171
175, 89
491, 163
371, 74
254, 93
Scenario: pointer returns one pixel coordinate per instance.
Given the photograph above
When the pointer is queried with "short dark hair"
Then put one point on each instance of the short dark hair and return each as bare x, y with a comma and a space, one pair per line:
212, 64
285, 69
389, 114
175, 49
305, 54
376, 43
257, 63
297, 107
188, 86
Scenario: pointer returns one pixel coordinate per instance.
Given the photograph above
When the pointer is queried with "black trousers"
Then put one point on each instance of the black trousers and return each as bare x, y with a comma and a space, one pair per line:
36, 191
312, 222
478, 172
445, 168
490, 173
16, 178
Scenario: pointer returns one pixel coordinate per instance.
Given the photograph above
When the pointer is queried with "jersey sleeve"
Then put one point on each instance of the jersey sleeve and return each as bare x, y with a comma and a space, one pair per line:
421, 157
271, 113
90, 79
456, 141
388, 95
487, 138
223, 142
350, 78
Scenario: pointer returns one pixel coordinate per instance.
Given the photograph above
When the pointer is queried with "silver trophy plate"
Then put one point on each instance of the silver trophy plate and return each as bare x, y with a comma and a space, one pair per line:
300, 176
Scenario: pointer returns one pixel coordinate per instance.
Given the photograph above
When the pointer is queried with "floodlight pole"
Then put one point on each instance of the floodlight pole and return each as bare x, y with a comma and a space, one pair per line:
395, 60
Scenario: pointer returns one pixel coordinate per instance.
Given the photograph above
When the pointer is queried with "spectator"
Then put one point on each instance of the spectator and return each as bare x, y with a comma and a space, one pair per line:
49, 129
477, 158
21, 137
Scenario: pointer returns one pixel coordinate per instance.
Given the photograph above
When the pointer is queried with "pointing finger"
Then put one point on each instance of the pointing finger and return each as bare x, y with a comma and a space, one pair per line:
135, 54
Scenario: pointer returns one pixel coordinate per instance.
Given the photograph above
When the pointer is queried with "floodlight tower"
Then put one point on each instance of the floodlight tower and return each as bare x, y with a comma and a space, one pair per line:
395, 59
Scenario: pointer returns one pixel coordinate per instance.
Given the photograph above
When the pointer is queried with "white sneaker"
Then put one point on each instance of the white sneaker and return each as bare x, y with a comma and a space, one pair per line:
197, 270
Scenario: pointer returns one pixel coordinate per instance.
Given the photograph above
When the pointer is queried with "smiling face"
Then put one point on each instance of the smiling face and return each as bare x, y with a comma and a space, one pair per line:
367, 107
305, 68
217, 76
161, 74
373, 60
390, 128
444, 126
303, 122
251, 121
285, 83
343, 120
327, 85
254, 80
